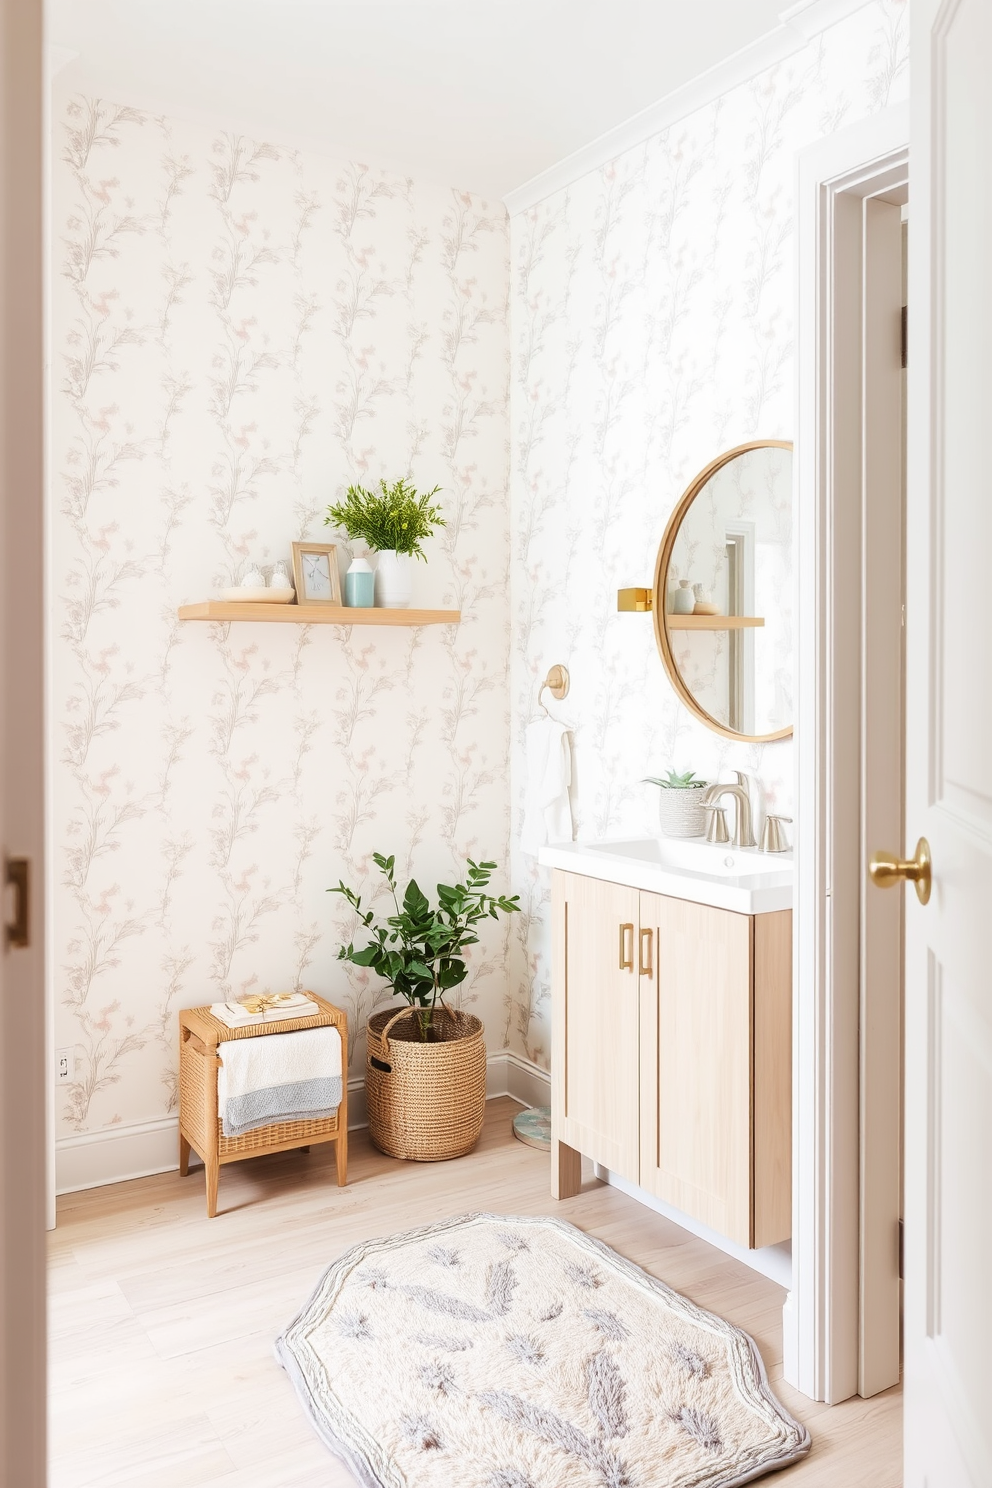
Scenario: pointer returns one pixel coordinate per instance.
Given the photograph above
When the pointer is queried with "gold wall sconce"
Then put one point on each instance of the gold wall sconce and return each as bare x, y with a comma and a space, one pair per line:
635, 601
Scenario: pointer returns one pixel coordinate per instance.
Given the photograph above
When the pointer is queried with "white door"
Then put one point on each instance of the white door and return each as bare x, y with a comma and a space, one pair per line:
948, 1211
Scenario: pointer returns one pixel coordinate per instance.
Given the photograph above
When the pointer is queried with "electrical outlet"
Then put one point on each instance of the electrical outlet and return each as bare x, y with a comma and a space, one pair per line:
65, 1065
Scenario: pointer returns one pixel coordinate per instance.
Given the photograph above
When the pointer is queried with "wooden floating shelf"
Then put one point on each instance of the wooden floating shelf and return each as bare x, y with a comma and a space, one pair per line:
713, 622
294, 614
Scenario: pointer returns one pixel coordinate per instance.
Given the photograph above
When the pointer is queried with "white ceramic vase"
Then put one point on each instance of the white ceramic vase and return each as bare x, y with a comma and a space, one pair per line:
394, 579
682, 598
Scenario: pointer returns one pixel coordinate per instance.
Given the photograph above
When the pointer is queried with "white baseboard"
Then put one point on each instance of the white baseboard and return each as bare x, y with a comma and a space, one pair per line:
526, 1082
91, 1159
773, 1261
119, 1153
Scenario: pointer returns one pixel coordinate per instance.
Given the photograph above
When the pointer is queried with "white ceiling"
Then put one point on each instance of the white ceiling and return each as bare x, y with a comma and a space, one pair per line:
481, 94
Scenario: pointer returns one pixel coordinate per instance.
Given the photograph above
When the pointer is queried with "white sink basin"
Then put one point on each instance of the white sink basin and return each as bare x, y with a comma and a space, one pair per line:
740, 879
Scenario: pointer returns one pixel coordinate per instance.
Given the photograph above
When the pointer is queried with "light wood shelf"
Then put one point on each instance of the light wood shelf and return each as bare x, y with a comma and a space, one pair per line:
294, 614
713, 622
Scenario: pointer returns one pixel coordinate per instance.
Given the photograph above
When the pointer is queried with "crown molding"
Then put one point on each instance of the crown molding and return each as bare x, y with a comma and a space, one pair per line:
810, 17
797, 25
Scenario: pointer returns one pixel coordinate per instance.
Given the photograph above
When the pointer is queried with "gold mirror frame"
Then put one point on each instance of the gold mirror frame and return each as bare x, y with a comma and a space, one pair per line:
660, 593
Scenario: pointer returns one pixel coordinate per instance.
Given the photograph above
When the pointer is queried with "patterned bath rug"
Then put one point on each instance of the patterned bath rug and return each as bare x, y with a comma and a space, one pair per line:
496, 1352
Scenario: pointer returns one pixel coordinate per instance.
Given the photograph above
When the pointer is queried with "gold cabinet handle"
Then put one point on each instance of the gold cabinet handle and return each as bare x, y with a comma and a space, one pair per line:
647, 939
886, 869
626, 957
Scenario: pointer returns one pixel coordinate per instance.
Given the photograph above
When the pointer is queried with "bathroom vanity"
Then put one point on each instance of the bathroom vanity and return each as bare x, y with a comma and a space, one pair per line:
671, 1027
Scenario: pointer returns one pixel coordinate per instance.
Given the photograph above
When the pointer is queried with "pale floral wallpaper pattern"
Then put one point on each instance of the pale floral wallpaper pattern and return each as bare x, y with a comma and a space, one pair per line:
652, 327
238, 331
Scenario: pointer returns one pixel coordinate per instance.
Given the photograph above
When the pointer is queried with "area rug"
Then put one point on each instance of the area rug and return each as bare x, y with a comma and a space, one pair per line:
496, 1352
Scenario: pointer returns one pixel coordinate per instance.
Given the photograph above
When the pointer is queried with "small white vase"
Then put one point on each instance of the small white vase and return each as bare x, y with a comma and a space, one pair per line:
704, 605
683, 599
280, 578
394, 579
252, 578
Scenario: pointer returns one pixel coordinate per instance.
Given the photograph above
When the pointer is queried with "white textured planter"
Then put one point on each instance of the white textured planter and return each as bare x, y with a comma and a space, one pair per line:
394, 580
681, 811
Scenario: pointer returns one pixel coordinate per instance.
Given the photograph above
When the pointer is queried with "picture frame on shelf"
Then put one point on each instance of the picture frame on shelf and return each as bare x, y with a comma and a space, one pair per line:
315, 573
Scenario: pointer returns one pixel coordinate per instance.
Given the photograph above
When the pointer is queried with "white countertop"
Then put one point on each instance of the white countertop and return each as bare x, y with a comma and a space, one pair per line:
743, 880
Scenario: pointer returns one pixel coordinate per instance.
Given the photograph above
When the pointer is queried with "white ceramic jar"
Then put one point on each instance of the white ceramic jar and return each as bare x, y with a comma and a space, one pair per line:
394, 579
683, 599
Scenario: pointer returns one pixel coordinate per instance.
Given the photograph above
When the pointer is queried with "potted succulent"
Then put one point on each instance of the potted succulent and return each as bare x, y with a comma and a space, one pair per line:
681, 809
394, 521
425, 1076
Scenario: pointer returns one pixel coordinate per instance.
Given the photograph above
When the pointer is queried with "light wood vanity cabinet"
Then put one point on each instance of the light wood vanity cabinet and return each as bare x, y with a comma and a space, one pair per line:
671, 1053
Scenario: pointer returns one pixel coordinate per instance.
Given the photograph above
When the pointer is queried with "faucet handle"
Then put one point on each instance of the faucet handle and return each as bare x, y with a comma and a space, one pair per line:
716, 827
772, 836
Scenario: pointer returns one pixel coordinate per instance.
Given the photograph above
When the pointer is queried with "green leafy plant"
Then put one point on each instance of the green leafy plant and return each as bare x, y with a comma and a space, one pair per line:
673, 781
393, 517
418, 950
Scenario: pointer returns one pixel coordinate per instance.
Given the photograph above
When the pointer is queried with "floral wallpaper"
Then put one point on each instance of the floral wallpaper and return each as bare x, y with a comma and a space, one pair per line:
238, 332
652, 328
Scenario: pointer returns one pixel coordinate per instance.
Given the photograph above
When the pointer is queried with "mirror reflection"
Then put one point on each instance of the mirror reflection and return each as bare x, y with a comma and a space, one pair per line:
723, 593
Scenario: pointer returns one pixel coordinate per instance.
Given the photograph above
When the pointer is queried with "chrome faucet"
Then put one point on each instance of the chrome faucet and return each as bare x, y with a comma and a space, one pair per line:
743, 835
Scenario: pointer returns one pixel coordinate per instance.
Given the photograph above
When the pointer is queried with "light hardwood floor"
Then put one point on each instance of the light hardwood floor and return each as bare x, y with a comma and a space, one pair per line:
162, 1321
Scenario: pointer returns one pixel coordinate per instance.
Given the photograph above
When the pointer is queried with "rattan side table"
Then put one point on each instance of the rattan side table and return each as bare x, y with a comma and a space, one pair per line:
200, 1126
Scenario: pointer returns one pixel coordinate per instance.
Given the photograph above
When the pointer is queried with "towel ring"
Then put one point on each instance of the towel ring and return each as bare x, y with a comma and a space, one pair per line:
557, 682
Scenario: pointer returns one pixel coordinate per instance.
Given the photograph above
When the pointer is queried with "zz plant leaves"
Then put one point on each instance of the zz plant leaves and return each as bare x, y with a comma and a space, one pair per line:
417, 950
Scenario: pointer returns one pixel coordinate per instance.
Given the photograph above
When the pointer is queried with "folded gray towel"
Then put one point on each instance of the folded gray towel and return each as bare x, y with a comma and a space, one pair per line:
302, 1100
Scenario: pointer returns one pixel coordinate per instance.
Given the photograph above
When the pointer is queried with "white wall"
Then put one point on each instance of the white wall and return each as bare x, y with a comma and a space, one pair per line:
652, 315
238, 332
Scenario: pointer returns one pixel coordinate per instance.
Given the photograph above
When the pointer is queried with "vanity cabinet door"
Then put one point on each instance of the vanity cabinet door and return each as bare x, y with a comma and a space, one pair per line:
696, 1027
594, 1085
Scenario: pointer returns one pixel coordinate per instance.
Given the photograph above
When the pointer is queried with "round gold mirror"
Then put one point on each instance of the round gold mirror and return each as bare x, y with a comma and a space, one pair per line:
722, 600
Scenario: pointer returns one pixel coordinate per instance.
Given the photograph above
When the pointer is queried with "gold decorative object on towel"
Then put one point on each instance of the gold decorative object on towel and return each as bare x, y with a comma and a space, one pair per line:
260, 1001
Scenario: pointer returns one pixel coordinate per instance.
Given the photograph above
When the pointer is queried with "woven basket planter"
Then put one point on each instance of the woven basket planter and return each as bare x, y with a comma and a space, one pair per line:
426, 1101
681, 811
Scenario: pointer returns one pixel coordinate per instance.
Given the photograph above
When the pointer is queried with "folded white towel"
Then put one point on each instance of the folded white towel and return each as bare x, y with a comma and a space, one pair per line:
278, 1077
547, 809
236, 1015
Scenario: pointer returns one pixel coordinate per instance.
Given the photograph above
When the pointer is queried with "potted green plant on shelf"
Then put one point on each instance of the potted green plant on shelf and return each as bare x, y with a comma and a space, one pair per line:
393, 521
681, 803
425, 1076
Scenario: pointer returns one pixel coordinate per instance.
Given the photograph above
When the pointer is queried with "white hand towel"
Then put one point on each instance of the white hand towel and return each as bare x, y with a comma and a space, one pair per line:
278, 1076
547, 809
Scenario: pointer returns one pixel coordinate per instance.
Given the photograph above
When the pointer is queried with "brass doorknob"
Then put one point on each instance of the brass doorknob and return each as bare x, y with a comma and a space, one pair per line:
886, 869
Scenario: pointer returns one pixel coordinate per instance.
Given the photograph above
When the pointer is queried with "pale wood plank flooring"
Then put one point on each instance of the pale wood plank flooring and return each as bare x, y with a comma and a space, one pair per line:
162, 1371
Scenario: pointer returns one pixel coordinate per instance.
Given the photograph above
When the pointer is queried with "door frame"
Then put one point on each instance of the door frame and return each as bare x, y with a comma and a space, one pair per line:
23, 1065
821, 1318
